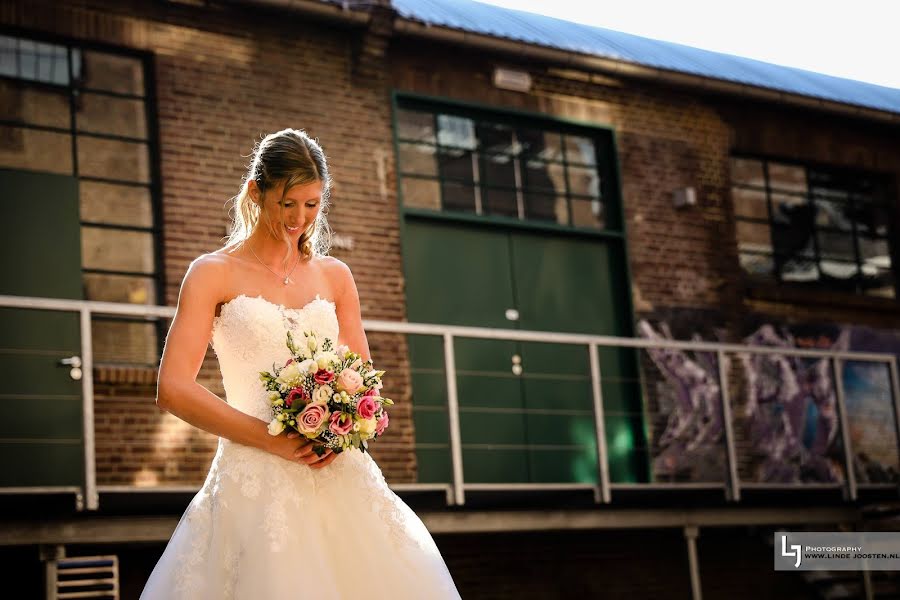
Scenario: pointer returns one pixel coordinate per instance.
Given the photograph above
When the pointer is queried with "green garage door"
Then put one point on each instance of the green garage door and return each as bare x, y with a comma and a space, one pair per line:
41, 431
535, 424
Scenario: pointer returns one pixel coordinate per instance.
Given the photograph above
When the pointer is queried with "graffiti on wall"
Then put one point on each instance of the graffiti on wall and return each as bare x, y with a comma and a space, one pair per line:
785, 417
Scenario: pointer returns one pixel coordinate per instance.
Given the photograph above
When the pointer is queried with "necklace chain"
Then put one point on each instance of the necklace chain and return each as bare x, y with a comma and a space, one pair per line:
287, 278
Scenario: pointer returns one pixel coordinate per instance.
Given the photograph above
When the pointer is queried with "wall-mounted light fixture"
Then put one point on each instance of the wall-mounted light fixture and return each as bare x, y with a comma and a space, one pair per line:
684, 197
509, 79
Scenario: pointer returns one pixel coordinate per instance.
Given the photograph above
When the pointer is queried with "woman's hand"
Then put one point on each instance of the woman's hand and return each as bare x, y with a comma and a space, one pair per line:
301, 451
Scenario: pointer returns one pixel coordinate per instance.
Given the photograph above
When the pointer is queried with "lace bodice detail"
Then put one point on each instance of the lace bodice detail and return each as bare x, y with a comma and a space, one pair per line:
249, 336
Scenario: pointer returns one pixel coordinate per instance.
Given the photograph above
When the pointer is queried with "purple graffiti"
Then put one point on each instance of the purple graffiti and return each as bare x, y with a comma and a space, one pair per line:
790, 413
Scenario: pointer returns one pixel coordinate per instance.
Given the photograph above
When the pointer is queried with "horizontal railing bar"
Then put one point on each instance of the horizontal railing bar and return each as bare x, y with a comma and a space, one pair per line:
41, 489
147, 310
687, 485
528, 486
93, 306
792, 486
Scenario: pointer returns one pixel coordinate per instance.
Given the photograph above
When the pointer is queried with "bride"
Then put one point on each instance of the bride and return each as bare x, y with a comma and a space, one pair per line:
273, 519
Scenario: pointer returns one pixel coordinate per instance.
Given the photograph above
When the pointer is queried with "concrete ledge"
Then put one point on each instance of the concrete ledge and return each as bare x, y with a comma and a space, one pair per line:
102, 530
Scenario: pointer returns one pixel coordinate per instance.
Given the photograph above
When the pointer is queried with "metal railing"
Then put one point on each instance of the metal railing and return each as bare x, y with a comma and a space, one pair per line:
457, 487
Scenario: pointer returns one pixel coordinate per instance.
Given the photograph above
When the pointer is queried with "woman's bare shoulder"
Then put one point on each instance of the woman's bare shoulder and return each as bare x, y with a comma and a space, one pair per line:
208, 274
337, 271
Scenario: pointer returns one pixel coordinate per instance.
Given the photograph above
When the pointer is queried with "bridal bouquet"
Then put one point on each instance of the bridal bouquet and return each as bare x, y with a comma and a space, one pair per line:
330, 395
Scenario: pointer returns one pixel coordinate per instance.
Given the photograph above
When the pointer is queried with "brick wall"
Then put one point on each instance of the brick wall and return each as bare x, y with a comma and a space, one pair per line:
219, 85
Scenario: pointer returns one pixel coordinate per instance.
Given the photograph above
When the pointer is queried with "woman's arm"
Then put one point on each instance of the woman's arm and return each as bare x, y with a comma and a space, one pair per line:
178, 391
348, 312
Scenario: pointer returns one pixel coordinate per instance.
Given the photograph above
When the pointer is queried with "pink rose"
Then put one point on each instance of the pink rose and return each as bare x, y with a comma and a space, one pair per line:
324, 376
296, 394
366, 407
350, 381
382, 423
341, 423
312, 418
372, 392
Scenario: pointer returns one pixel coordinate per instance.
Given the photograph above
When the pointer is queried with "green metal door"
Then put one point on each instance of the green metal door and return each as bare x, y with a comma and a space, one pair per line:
537, 425
460, 275
41, 428
575, 284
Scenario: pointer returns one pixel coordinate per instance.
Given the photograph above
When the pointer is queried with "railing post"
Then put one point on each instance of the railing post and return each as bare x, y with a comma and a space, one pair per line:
691, 532
453, 416
92, 498
837, 372
895, 397
600, 425
734, 482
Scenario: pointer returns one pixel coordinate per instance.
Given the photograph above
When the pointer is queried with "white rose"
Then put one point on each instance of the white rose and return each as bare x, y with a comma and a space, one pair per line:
308, 366
323, 394
289, 374
343, 350
276, 427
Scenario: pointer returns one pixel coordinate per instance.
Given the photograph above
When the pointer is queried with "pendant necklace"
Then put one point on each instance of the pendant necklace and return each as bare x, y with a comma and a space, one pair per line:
287, 278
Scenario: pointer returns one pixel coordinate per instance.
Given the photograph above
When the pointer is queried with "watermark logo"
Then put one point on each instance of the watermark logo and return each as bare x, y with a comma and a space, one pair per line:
836, 551
795, 550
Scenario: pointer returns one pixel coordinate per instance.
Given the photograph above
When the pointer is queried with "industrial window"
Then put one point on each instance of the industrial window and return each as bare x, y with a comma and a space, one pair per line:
813, 226
489, 164
75, 110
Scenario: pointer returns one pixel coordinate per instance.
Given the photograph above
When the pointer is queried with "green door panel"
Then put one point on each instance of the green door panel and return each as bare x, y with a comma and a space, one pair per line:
433, 463
578, 465
495, 465
433, 425
568, 284
59, 463
41, 418
42, 231
562, 429
572, 284
41, 429
487, 427
457, 275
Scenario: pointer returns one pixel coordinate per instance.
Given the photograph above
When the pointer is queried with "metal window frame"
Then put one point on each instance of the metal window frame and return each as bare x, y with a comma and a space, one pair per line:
810, 197
514, 120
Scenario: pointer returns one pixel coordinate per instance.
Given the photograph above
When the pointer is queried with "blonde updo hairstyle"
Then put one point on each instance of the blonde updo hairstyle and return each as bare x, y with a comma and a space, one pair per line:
292, 157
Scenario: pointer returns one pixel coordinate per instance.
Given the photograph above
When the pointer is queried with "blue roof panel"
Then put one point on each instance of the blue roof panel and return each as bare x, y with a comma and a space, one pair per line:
540, 30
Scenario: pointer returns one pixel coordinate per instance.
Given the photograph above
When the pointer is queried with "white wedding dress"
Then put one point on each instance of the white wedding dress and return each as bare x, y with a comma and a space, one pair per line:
262, 527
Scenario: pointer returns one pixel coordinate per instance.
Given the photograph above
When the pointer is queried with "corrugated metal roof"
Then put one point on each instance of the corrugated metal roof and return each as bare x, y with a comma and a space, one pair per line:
540, 30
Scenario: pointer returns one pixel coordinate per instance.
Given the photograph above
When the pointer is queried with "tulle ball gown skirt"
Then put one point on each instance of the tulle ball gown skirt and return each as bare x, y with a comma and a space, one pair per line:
262, 527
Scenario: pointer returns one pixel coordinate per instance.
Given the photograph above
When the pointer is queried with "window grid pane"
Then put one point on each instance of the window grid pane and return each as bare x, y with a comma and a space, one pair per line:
458, 163
828, 228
